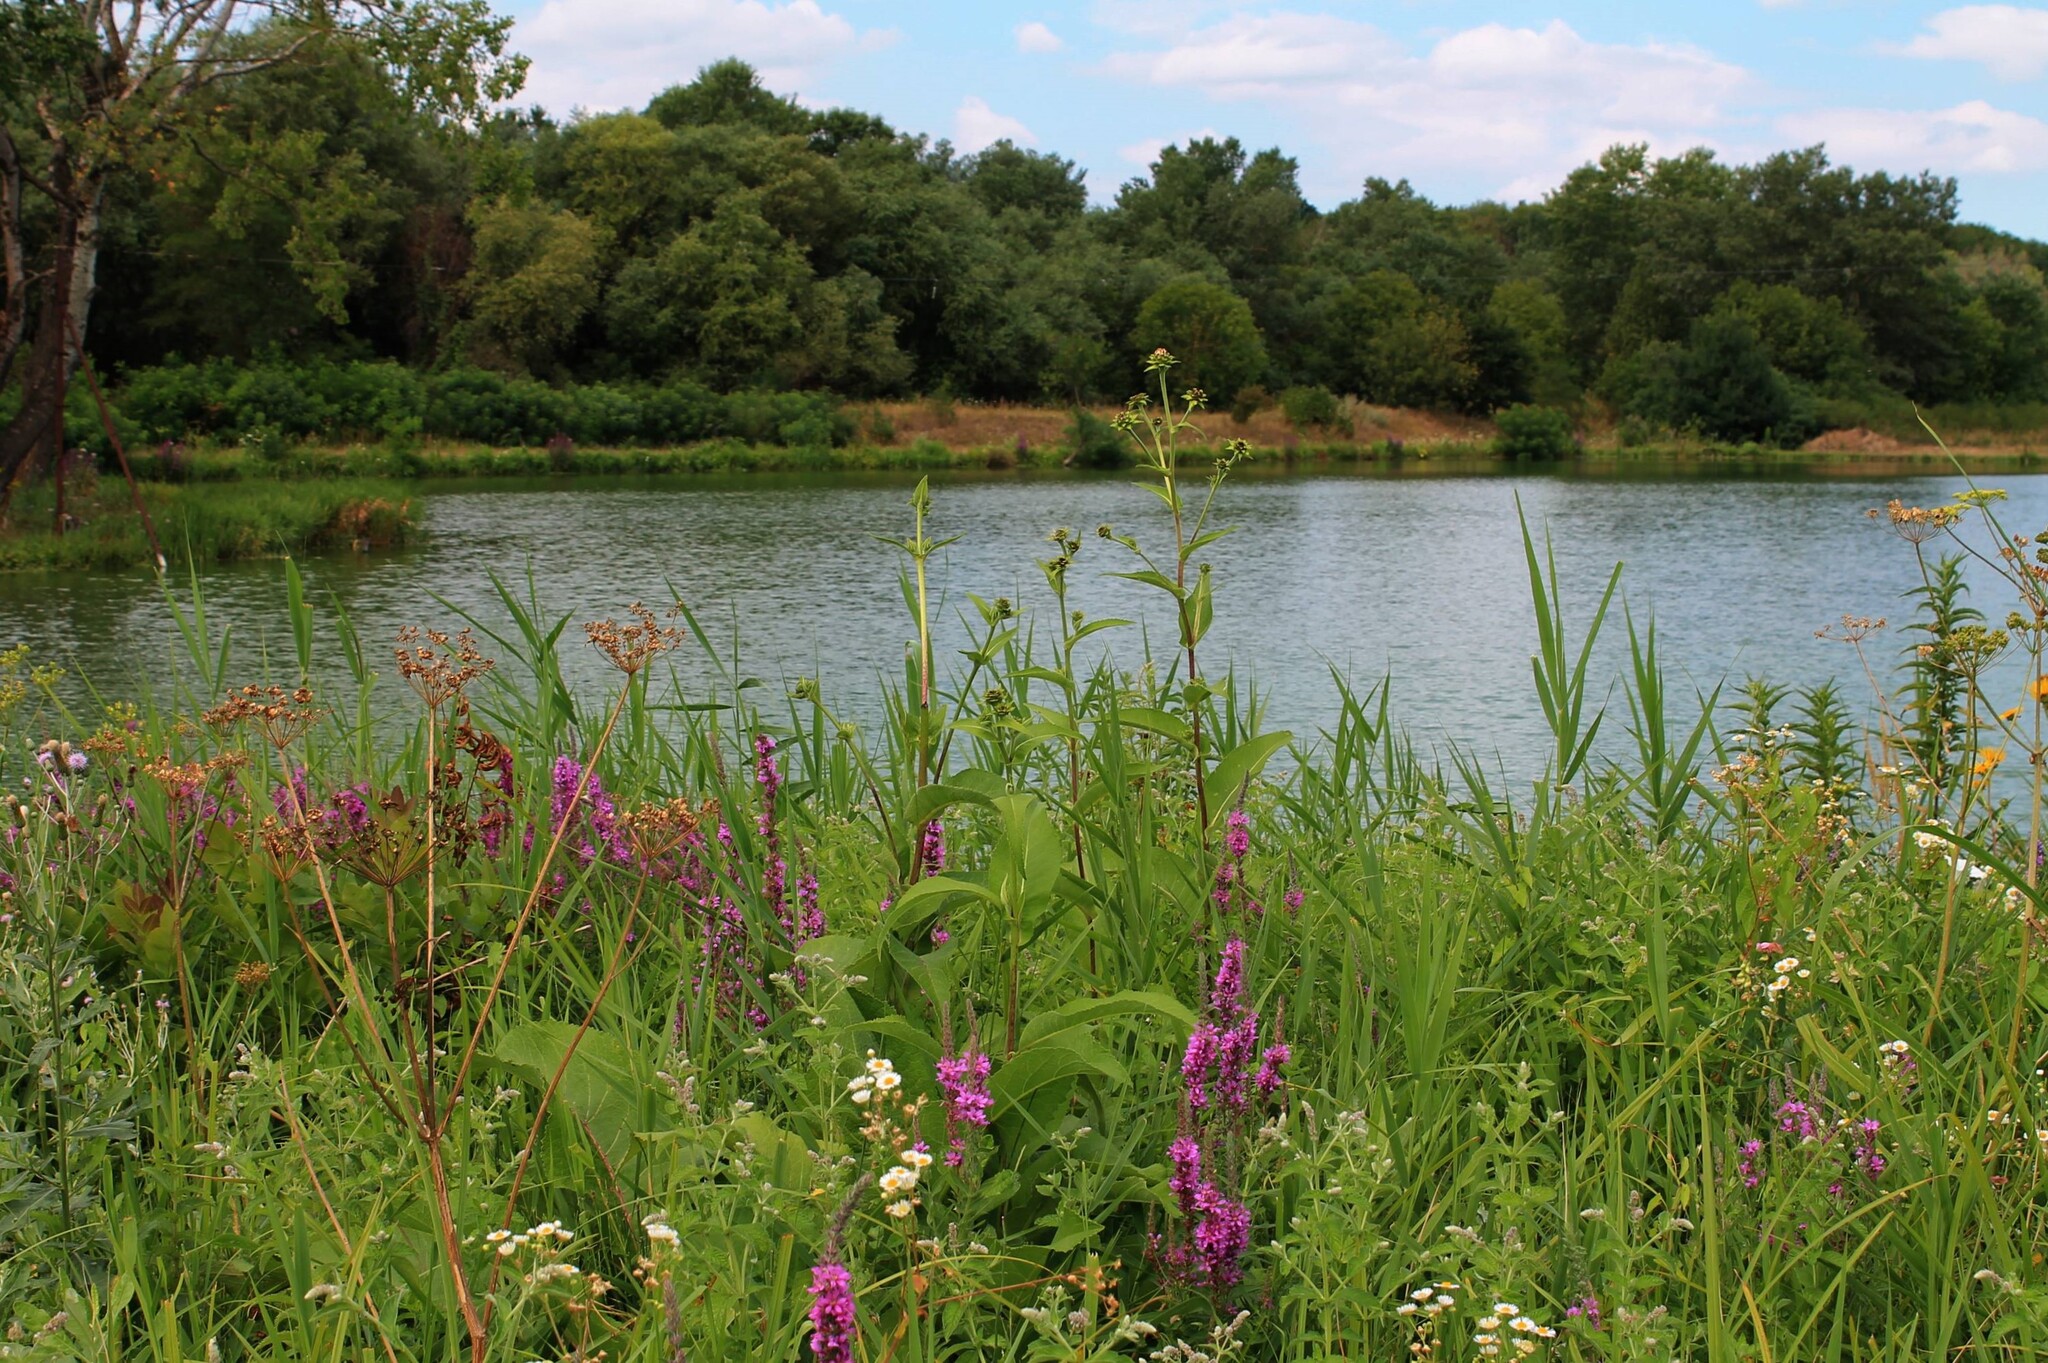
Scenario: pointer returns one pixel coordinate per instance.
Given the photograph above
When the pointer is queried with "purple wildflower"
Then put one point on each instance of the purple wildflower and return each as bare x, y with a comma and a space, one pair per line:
1221, 1237
1270, 1064
963, 1083
1186, 1156
1204, 1045
1226, 996
1239, 837
833, 1319
1750, 1166
1587, 1308
1796, 1118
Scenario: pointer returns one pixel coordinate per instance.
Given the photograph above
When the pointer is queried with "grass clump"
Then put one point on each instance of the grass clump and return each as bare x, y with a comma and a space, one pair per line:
256, 518
1070, 1013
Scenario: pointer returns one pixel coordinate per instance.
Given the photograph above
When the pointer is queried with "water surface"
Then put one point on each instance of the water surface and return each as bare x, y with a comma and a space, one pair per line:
1420, 578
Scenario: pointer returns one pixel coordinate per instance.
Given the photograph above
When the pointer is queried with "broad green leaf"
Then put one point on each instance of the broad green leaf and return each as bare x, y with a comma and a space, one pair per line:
598, 1086
1234, 768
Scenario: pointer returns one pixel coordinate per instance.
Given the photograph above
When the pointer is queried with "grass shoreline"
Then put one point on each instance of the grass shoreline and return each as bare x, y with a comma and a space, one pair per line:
220, 504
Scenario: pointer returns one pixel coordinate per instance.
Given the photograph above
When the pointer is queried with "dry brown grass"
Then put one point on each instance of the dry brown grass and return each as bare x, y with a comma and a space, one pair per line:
963, 425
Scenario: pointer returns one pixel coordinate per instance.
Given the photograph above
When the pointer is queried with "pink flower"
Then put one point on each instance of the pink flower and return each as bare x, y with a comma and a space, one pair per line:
833, 1318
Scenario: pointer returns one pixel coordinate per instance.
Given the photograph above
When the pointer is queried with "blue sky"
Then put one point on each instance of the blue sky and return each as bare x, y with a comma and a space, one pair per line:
1467, 99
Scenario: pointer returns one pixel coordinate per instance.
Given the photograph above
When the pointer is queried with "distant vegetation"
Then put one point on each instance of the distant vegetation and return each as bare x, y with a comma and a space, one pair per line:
725, 239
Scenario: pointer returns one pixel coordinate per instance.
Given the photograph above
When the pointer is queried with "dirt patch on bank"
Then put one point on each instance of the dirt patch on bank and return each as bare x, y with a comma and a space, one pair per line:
1853, 440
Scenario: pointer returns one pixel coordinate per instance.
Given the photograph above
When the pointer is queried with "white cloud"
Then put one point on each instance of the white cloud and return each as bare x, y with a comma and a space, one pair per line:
615, 54
1520, 104
2011, 41
1144, 152
1036, 37
1973, 136
975, 126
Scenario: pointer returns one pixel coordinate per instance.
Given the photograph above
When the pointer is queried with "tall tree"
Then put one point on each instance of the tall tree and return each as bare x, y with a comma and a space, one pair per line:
93, 89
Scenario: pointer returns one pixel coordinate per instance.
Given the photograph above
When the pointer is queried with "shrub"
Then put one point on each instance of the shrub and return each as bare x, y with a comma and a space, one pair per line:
1530, 432
1316, 408
1249, 402
1093, 443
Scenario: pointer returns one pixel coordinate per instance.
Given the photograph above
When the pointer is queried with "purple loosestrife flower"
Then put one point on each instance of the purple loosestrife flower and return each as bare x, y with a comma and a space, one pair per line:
1271, 1063
1293, 899
1239, 837
1185, 1154
1750, 1166
1796, 1119
811, 918
1221, 1237
766, 774
1226, 996
1587, 1309
1197, 1062
833, 1319
1234, 1058
1868, 1157
931, 849
963, 1083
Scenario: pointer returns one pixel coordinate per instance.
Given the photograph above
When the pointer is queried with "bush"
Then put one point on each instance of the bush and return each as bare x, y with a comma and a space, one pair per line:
1249, 402
1317, 408
1530, 432
1093, 443
381, 401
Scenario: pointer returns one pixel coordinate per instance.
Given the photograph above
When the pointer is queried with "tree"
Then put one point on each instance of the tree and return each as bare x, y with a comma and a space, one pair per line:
729, 91
1393, 345
1007, 176
533, 280
1210, 330
724, 299
98, 88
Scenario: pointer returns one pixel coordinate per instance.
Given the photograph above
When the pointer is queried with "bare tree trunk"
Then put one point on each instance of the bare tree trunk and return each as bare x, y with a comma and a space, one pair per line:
13, 271
64, 300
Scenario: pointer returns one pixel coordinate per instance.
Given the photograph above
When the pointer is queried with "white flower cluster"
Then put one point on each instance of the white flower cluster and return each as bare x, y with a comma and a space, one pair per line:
901, 1180
877, 1076
548, 1233
1523, 1335
1432, 1301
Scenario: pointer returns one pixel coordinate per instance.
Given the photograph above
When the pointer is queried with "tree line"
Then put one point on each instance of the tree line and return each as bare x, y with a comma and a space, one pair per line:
326, 201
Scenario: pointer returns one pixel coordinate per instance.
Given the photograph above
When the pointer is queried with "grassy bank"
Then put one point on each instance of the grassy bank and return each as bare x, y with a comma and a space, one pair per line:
456, 460
1072, 1014
247, 517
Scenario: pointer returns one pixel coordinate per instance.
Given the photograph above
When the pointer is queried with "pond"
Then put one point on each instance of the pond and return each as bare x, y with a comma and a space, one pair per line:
1420, 578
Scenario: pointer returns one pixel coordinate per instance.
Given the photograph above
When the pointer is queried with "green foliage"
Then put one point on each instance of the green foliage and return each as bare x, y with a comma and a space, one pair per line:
1313, 408
337, 402
1664, 1033
1093, 443
1391, 345
1529, 432
729, 236
1210, 329
1720, 383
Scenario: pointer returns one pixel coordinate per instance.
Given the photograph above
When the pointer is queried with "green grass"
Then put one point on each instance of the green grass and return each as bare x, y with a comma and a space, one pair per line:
277, 1080
215, 522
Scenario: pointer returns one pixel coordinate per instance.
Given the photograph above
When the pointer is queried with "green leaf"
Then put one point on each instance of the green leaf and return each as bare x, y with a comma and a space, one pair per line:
1128, 1003
1154, 721
1048, 1062
1236, 767
598, 1086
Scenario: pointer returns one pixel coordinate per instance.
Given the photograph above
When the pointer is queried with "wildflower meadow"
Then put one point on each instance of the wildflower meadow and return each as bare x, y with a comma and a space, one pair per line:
1069, 1012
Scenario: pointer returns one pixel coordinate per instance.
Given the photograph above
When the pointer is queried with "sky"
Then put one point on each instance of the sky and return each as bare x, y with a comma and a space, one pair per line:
1466, 99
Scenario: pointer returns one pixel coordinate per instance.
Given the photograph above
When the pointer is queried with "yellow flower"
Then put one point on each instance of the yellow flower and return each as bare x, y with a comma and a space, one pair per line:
1988, 760
2011, 714
2038, 687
